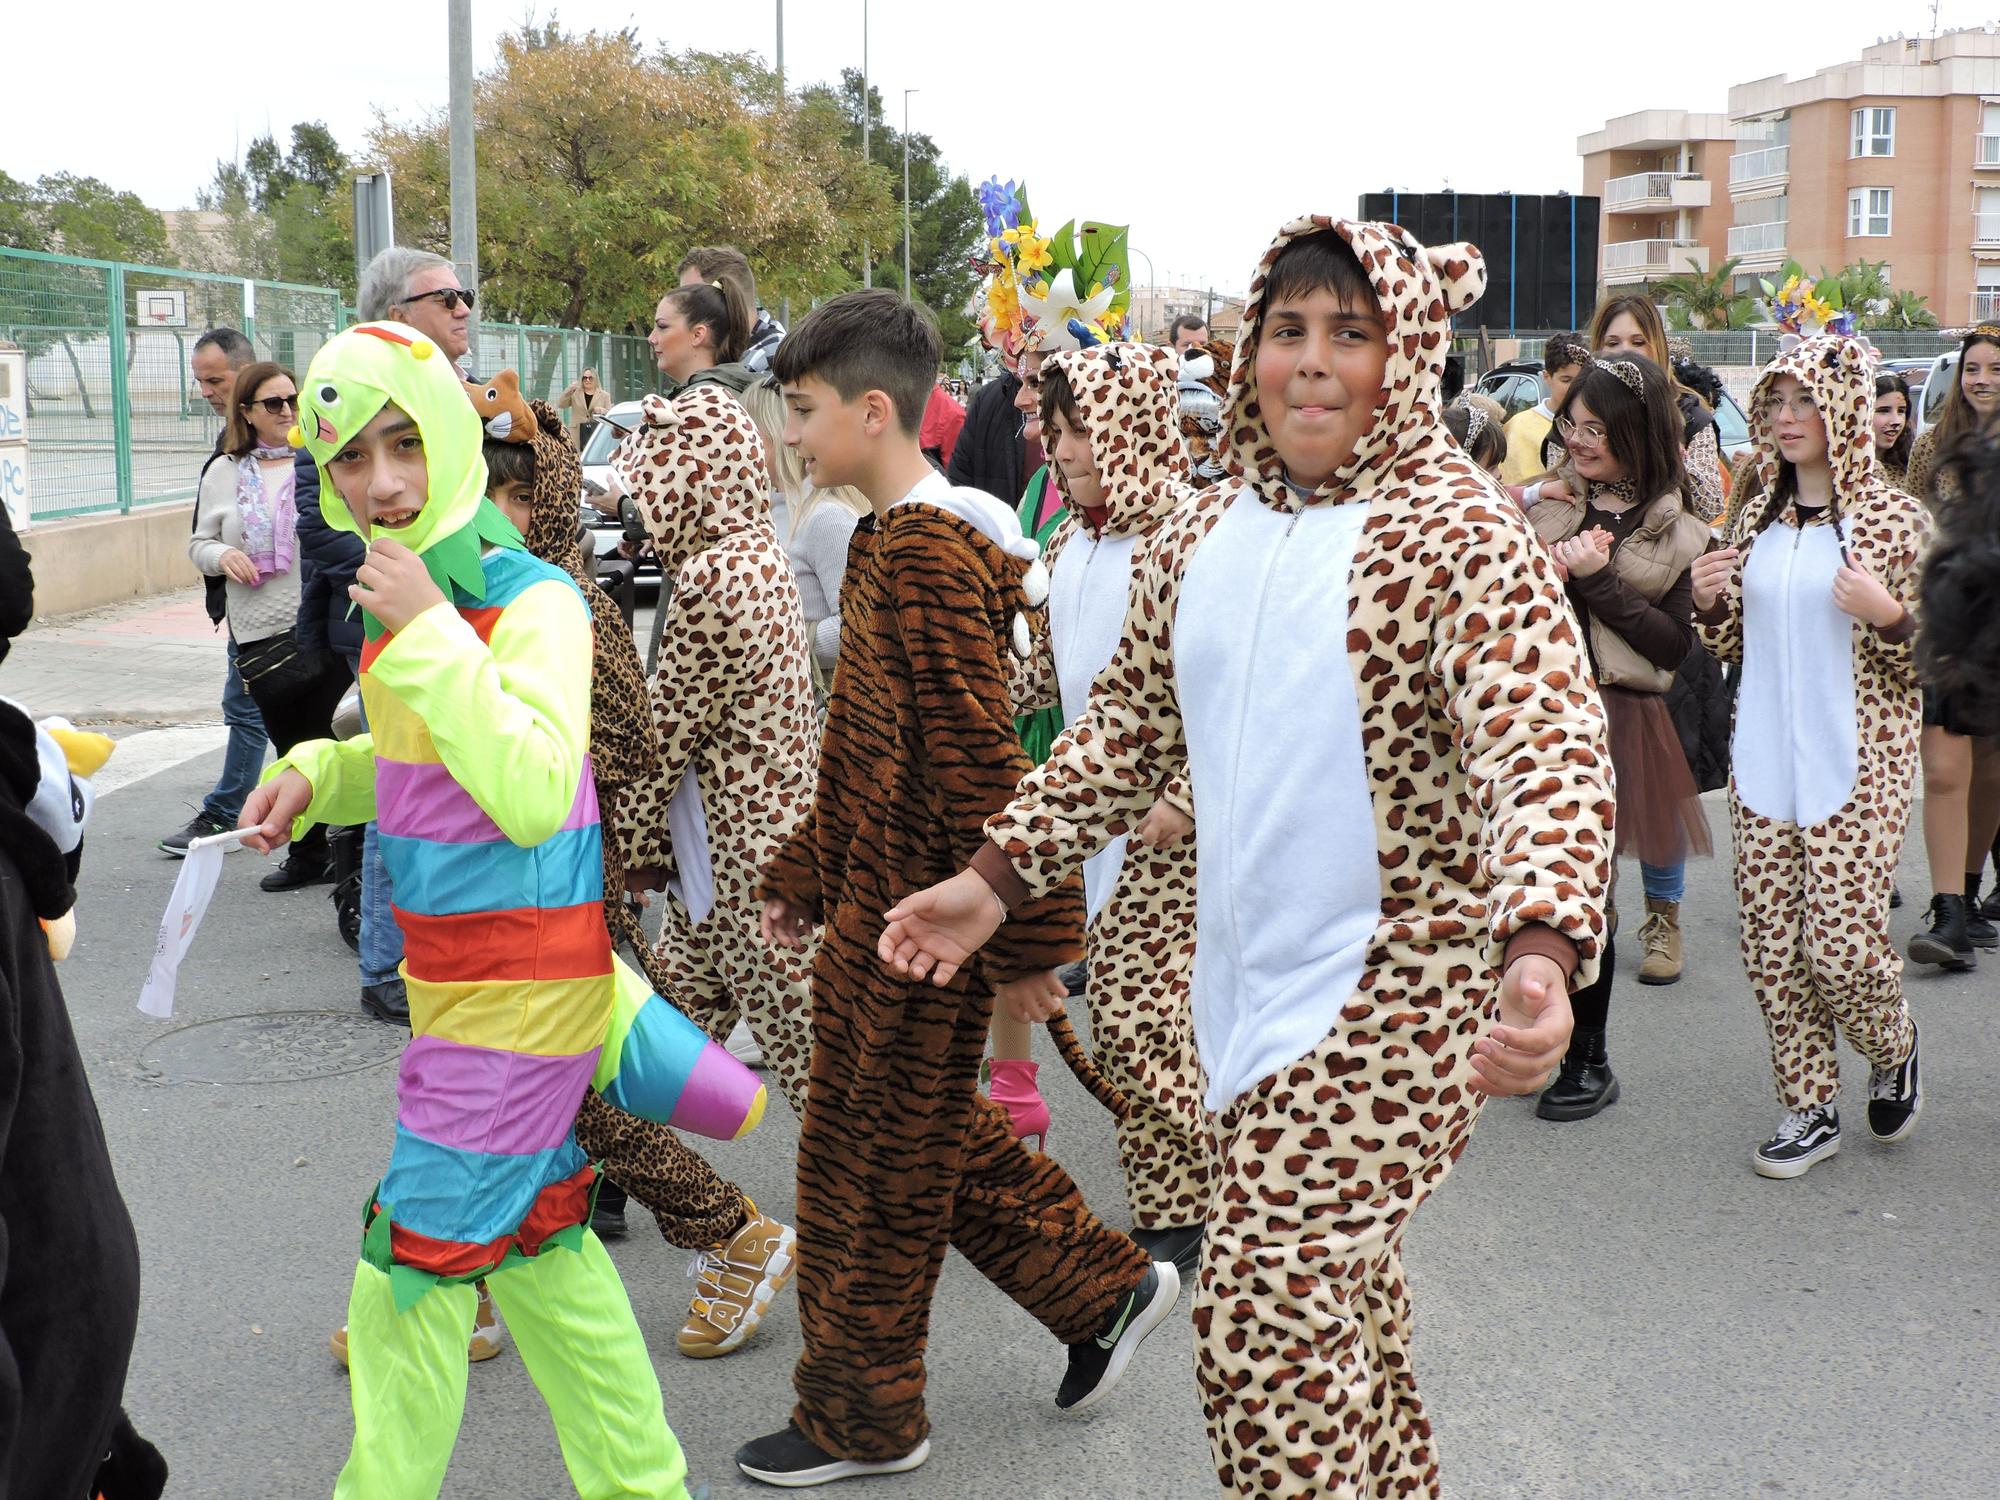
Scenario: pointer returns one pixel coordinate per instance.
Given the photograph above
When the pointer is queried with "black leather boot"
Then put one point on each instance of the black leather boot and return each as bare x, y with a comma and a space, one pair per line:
1944, 941
1584, 1084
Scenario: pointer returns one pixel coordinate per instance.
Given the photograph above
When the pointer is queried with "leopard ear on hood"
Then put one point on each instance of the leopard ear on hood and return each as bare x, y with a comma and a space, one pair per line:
695, 468
1838, 372
1417, 290
1128, 402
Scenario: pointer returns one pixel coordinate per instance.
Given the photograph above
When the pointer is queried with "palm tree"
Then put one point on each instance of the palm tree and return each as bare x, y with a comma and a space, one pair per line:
1707, 299
1904, 309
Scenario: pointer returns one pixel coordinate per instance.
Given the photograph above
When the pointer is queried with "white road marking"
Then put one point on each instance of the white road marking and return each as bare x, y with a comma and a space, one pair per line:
152, 751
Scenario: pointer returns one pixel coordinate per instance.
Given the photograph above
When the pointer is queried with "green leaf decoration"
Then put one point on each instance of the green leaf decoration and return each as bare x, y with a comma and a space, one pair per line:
1062, 249
409, 1285
1101, 247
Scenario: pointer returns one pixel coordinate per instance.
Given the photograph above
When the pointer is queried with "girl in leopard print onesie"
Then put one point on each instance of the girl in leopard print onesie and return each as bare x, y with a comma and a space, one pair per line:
1813, 598
1357, 632
1111, 419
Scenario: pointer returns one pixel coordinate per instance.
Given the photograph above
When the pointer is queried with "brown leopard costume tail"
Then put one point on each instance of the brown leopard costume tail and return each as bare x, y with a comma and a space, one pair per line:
1102, 1089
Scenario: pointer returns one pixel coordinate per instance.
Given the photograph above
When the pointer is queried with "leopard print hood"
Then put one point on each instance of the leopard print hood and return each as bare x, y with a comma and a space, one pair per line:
553, 509
1127, 401
1839, 373
1418, 289
695, 469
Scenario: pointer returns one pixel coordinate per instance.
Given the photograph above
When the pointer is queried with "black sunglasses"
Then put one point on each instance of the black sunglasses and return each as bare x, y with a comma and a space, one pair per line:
277, 406
450, 296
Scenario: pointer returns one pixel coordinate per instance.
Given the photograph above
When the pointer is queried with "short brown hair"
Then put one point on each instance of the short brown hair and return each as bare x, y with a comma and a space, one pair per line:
1059, 399
1320, 262
867, 341
237, 437
508, 463
716, 261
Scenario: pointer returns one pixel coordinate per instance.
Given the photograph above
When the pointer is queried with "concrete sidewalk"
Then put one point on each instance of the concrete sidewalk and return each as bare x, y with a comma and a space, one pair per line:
155, 660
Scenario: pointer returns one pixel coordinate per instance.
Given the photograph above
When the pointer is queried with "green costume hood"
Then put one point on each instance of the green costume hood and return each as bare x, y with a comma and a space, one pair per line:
351, 379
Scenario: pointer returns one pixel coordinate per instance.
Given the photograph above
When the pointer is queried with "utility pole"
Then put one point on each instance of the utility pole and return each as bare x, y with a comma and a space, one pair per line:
464, 168
906, 192
867, 109
781, 49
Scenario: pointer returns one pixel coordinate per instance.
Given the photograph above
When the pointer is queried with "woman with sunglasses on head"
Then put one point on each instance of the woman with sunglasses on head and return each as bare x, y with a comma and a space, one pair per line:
246, 532
1625, 547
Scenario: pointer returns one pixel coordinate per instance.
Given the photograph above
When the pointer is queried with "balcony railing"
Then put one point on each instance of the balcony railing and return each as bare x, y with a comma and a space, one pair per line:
1644, 190
1755, 166
1663, 256
1986, 229
1757, 239
1986, 150
1986, 306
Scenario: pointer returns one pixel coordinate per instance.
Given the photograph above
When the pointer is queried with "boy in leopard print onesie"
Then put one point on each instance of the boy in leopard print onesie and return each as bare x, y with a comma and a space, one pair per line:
1356, 631
1111, 422
1813, 598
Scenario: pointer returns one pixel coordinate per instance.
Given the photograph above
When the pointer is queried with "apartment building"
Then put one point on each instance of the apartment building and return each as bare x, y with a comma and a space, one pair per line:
1891, 157
1661, 178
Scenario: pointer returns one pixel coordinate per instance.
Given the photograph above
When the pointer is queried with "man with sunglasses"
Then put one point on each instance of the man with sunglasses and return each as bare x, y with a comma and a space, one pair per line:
405, 285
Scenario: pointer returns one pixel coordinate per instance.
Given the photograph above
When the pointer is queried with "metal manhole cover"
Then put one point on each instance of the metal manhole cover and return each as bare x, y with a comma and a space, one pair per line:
273, 1047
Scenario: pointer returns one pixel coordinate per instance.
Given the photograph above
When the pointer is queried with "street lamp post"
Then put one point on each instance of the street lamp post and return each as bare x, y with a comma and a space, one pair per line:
1152, 284
867, 109
906, 192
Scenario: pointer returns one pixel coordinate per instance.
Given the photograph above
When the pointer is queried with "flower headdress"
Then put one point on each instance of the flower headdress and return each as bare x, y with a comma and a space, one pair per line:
1805, 307
1067, 290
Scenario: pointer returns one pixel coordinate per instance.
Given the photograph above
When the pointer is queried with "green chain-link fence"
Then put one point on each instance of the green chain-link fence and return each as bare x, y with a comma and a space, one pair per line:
107, 432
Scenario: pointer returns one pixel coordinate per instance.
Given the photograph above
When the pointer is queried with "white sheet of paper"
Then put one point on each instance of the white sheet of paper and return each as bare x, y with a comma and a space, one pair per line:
687, 827
188, 904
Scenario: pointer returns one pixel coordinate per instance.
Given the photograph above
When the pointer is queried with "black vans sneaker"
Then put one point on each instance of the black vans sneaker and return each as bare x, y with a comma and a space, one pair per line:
1804, 1138
793, 1461
1895, 1096
1097, 1362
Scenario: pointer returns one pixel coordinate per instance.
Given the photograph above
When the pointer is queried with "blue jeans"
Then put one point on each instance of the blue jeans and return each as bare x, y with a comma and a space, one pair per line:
381, 938
1664, 882
243, 761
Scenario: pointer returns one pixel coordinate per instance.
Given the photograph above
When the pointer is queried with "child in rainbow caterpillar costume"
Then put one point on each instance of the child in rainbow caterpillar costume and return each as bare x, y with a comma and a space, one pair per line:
476, 674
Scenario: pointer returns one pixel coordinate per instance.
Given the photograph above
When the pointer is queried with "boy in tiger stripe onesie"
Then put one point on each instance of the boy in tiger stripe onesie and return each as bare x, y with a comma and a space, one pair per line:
899, 1156
1111, 423
1357, 631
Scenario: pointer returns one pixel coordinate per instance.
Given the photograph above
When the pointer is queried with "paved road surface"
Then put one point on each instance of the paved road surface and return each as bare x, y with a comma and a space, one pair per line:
1611, 1309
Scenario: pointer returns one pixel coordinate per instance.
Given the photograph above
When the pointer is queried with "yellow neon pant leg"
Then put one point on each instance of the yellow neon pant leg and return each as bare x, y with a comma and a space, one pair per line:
407, 1374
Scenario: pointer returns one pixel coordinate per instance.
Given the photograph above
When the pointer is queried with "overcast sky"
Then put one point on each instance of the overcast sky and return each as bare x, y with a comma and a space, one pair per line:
1203, 126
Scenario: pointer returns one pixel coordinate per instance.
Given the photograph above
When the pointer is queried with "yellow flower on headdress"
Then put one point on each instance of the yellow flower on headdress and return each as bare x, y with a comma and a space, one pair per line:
1817, 308
1032, 256
1785, 292
1002, 303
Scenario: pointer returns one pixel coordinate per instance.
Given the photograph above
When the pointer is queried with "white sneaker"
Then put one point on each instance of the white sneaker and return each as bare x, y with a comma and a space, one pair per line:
743, 1046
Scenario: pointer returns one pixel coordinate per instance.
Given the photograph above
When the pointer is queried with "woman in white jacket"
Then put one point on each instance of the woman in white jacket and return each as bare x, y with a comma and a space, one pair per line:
246, 531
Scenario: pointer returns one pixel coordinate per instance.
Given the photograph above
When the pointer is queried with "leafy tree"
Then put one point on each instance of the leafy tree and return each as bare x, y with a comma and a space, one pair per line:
600, 165
1706, 299
287, 214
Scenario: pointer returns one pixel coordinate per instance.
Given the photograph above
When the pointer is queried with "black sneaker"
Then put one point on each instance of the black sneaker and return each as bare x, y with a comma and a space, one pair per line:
200, 826
792, 1461
1895, 897
1181, 1245
1895, 1096
299, 871
1804, 1138
387, 1001
607, 1214
1097, 1362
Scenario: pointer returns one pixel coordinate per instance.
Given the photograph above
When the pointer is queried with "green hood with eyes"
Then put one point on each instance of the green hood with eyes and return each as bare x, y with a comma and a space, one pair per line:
351, 379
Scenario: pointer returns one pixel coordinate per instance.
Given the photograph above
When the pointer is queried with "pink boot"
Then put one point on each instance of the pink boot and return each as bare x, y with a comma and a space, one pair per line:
1011, 1085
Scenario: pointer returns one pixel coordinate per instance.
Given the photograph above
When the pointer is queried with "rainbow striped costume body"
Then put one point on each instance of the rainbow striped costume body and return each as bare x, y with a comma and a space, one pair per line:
487, 811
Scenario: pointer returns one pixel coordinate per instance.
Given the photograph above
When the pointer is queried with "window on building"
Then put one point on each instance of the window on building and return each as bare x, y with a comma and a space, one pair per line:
1987, 277
1868, 211
1874, 132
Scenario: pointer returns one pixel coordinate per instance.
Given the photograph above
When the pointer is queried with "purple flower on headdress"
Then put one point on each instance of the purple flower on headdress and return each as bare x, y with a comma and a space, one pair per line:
1843, 324
1001, 203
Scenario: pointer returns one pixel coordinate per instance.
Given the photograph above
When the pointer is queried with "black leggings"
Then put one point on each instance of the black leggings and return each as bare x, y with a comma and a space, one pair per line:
1592, 1004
